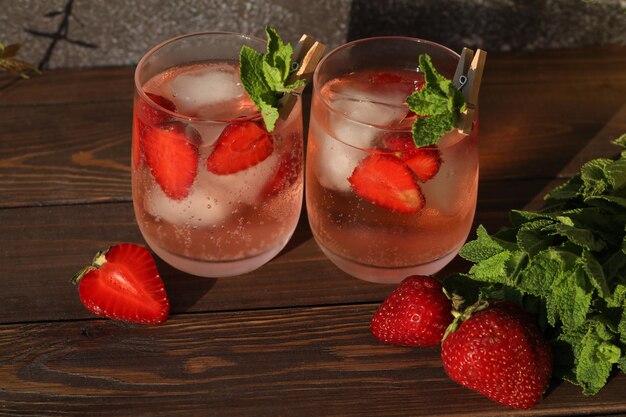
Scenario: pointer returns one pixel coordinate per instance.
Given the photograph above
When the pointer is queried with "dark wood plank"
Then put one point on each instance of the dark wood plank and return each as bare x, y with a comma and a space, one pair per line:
288, 362
69, 86
42, 247
54, 154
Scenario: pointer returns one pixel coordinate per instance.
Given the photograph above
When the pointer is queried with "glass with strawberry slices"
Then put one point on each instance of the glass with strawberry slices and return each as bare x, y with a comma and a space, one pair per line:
380, 207
215, 194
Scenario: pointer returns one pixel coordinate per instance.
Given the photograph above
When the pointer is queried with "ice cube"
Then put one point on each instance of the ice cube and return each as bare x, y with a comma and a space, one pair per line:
201, 207
199, 90
244, 186
209, 131
336, 161
362, 135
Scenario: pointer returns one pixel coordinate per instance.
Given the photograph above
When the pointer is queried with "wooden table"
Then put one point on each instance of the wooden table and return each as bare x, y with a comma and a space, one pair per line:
290, 339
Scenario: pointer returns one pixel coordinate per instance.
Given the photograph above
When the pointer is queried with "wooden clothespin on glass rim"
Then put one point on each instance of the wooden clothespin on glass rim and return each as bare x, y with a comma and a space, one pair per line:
467, 78
306, 55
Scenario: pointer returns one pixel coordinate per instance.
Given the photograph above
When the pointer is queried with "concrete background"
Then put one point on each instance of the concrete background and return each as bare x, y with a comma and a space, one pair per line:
119, 32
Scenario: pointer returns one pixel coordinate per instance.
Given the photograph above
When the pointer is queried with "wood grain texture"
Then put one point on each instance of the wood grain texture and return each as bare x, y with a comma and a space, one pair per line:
288, 362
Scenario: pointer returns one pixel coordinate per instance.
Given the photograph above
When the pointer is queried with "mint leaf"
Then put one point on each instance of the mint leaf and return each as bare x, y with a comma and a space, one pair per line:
595, 358
484, 247
264, 76
621, 141
439, 101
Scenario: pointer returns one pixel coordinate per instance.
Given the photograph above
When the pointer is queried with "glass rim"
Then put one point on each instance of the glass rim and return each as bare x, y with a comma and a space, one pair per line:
143, 96
316, 75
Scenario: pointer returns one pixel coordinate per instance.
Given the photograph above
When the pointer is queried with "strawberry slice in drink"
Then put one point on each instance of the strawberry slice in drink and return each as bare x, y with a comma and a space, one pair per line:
171, 152
240, 146
424, 162
386, 181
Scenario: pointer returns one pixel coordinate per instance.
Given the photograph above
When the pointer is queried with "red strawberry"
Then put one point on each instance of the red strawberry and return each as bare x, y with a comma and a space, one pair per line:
398, 141
384, 180
123, 283
240, 146
171, 151
417, 313
385, 78
501, 353
152, 114
424, 161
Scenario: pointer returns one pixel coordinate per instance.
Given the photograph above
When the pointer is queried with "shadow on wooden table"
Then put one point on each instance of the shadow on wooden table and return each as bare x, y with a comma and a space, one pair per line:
177, 284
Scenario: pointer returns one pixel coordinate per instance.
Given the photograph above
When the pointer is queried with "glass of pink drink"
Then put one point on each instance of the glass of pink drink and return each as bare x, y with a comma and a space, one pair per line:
380, 208
214, 193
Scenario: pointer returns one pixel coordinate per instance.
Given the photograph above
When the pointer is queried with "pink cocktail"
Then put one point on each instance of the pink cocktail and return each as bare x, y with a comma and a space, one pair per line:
215, 194
379, 207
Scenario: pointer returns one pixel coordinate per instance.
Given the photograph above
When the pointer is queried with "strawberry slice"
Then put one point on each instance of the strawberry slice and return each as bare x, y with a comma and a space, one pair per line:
386, 181
398, 141
171, 151
240, 146
152, 115
381, 77
123, 283
424, 162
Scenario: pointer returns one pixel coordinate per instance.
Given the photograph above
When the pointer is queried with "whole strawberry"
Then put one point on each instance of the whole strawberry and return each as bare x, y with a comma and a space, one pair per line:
123, 283
417, 313
501, 353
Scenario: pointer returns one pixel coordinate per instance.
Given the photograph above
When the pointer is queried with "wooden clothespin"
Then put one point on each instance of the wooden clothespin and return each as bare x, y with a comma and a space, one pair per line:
467, 78
307, 55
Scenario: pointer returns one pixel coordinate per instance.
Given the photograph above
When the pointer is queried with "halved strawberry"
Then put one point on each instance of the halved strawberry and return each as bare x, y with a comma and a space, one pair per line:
152, 115
240, 146
386, 181
424, 161
171, 151
123, 283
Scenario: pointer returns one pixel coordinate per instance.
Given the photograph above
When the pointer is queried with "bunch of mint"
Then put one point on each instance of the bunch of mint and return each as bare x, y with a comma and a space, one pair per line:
566, 264
439, 101
264, 76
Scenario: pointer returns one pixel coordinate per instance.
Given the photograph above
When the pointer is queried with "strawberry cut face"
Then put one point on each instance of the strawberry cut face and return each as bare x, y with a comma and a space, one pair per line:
385, 181
123, 284
240, 146
424, 162
171, 152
